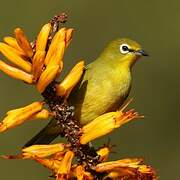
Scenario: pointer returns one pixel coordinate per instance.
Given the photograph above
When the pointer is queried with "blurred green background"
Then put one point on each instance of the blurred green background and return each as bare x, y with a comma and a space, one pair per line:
156, 25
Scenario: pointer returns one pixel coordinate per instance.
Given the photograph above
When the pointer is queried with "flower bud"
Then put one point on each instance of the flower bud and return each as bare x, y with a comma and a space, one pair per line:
51, 164
37, 64
42, 150
81, 174
109, 122
42, 38
65, 165
103, 153
18, 116
43, 114
59, 37
23, 42
66, 86
48, 75
58, 55
131, 168
16, 73
14, 57
69, 34
13, 43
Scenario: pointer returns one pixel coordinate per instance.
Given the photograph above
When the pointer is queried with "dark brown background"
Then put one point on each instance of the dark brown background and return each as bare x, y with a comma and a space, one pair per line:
156, 25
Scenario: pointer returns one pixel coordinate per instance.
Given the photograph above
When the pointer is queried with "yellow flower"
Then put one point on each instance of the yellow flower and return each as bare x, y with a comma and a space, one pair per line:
109, 122
18, 116
42, 38
43, 114
23, 42
80, 173
65, 87
12, 42
126, 168
103, 153
51, 164
65, 166
16, 73
38, 64
14, 56
47, 77
69, 34
42, 150
58, 38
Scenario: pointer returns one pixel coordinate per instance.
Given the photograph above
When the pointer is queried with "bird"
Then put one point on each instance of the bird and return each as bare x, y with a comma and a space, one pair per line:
104, 87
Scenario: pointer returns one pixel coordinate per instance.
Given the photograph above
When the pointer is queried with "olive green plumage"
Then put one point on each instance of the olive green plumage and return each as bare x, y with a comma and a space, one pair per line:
105, 85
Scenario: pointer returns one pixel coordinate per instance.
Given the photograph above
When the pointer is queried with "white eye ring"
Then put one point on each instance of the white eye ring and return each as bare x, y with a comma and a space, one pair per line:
124, 48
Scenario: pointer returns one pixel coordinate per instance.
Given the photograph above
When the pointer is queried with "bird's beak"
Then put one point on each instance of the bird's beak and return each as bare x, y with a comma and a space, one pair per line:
141, 53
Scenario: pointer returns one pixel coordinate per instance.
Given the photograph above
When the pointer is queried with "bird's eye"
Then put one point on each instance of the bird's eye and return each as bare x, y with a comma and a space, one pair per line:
124, 48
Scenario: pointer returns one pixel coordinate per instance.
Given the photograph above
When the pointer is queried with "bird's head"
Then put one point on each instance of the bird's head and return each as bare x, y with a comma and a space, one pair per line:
123, 51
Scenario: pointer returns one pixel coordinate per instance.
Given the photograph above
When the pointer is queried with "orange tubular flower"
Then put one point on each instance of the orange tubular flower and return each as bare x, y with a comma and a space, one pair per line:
51, 164
42, 151
109, 122
43, 114
47, 77
23, 42
81, 174
53, 152
13, 43
57, 57
65, 166
65, 87
103, 154
59, 37
126, 168
16, 73
42, 38
17, 51
18, 116
69, 34
37, 64
13, 56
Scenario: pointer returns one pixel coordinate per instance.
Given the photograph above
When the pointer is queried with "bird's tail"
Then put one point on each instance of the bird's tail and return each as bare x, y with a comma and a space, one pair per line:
46, 135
